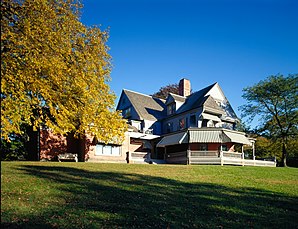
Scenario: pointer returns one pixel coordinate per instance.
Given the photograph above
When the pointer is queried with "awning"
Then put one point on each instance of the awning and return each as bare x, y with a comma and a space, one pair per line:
207, 136
237, 137
211, 117
173, 139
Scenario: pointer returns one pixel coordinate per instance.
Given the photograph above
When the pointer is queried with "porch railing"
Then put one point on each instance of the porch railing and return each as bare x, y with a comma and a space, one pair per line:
223, 157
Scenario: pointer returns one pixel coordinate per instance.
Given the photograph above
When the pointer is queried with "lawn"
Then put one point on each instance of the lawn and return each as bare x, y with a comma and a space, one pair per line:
94, 195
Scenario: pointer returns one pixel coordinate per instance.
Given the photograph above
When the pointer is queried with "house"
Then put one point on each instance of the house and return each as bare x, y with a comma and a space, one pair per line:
189, 128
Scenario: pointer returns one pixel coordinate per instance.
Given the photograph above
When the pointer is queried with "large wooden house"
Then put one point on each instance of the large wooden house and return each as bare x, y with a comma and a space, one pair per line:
189, 128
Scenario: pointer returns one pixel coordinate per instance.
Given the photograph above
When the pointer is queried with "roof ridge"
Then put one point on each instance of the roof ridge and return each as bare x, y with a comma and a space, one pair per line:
211, 86
139, 93
177, 95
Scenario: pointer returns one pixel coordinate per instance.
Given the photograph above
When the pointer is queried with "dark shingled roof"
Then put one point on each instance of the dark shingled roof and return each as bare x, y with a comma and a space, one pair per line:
195, 100
147, 107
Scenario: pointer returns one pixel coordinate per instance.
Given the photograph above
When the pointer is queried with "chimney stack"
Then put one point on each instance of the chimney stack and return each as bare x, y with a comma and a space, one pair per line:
184, 87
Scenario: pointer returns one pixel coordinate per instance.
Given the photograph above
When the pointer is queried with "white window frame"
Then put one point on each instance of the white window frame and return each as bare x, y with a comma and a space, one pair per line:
107, 150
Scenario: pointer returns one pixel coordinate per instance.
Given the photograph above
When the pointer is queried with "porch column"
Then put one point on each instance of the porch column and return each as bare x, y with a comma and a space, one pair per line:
242, 150
253, 151
221, 156
188, 156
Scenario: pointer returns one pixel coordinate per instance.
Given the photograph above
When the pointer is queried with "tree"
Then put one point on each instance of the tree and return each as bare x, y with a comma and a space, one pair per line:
164, 91
55, 71
275, 101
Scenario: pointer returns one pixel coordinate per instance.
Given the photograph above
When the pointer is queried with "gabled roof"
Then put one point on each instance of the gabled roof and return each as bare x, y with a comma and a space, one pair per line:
211, 106
147, 107
195, 100
178, 98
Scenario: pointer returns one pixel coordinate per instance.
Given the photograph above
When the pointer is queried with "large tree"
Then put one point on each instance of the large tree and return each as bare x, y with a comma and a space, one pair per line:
164, 91
275, 102
55, 71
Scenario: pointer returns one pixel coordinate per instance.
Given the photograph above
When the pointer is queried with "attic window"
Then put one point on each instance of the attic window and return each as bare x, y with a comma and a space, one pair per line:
171, 108
126, 113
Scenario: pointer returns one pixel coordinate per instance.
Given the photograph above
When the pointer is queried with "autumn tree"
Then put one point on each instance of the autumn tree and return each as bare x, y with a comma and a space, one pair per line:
275, 102
164, 91
55, 71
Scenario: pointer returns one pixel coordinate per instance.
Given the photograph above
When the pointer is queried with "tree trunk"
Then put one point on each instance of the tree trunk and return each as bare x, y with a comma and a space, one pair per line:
32, 145
82, 144
284, 155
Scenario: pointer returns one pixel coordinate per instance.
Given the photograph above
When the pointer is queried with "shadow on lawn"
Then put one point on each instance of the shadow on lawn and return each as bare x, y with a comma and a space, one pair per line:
127, 200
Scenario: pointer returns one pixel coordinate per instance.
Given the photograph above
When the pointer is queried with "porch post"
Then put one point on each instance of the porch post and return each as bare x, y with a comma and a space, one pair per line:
253, 151
242, 151
188, 157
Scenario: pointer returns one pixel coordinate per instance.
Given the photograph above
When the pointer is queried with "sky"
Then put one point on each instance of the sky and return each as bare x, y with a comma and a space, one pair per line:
236, 43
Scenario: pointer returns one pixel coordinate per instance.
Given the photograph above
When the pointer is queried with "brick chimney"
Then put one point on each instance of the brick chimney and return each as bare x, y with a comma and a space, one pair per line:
184, 87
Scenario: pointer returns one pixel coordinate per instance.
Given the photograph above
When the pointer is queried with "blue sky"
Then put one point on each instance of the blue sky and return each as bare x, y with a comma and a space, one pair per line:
236, 43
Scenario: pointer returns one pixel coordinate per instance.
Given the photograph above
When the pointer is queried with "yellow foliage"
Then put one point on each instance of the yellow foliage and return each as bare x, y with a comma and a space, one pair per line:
55, 71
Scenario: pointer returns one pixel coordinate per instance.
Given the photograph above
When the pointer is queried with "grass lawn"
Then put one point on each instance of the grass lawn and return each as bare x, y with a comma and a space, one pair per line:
93, 195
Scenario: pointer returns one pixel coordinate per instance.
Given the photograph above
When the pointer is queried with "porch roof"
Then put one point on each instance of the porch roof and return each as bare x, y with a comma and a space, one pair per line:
212, 135
207, 136
237, 137
174, 139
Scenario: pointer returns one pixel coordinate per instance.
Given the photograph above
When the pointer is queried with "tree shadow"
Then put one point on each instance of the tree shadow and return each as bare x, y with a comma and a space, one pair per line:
129, 200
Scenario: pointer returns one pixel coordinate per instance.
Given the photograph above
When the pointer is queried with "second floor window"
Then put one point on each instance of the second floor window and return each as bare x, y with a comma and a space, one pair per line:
192, 121
182, 123
169, 127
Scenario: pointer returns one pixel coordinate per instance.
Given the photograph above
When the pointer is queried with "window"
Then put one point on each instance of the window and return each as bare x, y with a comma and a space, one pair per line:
192, 121
126, 113
182, 123
204, 123
170, 111
171, 108
112, 150
169, 127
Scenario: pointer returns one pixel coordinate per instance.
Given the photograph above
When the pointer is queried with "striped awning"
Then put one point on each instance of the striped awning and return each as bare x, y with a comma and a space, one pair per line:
207, 136
173, 139
237, 137
217, 136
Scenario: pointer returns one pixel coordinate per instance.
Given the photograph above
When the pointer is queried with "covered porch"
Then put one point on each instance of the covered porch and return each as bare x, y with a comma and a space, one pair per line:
209, 146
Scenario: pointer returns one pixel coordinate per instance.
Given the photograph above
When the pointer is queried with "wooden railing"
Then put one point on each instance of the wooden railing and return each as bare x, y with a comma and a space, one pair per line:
138, 155
232, 154
177, 157
203, 153
224, 157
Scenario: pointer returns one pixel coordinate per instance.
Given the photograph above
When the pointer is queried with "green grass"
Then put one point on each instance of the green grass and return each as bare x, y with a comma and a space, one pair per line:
90, 195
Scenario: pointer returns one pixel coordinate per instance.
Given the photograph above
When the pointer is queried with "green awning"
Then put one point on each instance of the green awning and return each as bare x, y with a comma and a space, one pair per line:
173, 139
207, 136
237, 137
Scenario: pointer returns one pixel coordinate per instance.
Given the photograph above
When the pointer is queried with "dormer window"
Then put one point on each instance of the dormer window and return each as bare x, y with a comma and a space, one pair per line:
171, 108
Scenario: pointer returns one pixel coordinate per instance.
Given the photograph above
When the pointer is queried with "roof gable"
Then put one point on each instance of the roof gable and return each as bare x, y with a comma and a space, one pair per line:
175, 98
194, 100
147, 107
